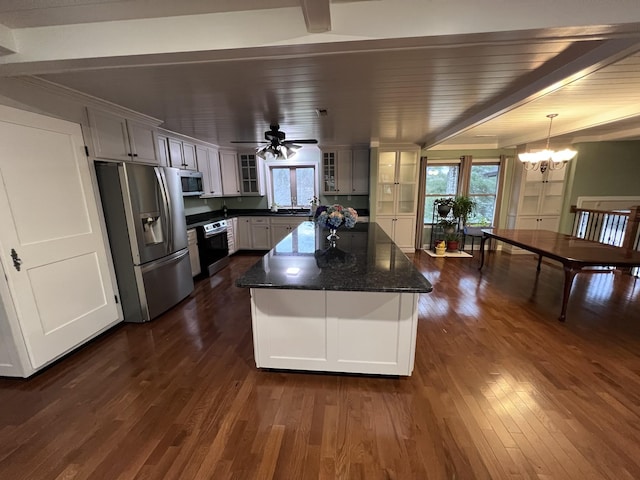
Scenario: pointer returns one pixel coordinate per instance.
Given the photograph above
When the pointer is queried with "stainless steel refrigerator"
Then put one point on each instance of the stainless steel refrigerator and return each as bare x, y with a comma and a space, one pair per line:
144, 214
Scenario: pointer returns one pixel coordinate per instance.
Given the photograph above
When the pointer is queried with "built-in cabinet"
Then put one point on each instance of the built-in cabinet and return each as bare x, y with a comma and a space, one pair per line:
182, 154
536, 201
251, 174
209, 164
118, 138
345, 172
229, 173
397, 195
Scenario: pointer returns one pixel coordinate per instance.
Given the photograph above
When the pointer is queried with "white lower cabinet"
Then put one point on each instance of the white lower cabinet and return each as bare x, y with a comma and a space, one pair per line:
532, 222
243, 233
194, 255
400, 229
232, 228
254, 233
356, 332
260, 233
281, 227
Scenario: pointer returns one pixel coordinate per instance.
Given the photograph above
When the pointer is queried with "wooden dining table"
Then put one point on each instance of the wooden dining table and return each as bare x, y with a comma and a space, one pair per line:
573, 253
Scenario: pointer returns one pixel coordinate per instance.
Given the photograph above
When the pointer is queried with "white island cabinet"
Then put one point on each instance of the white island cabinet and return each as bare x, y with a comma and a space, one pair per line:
352, 307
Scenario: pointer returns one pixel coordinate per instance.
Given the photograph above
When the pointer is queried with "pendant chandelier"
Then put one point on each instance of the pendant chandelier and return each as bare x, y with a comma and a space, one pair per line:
547, 159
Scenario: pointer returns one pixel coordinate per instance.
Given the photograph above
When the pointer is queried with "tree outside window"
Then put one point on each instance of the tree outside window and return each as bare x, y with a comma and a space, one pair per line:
442, 181
483, 189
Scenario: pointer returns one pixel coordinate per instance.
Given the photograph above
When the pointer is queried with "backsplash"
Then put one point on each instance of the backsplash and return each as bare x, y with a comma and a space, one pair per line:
194, 205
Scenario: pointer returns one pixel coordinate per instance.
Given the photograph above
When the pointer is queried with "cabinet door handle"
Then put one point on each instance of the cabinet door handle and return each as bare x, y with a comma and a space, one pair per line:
135, 154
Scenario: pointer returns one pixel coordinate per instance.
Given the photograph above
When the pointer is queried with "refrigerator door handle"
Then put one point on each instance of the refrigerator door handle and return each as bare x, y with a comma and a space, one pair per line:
164, 261
160, 175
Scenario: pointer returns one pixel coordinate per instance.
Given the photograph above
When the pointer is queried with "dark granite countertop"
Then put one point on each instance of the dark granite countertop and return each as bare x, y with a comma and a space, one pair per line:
207, 217
365, 259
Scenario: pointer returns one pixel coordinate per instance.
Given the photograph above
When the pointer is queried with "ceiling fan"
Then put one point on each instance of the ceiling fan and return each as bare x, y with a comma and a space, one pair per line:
276, 145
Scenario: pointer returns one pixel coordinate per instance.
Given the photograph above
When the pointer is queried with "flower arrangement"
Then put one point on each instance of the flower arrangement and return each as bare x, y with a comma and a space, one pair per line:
335, 216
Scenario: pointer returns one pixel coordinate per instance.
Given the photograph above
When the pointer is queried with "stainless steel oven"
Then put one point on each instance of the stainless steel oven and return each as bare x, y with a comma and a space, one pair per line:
213, 246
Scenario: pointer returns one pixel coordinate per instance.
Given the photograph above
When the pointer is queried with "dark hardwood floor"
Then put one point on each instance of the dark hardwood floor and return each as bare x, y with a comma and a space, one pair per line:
500, 390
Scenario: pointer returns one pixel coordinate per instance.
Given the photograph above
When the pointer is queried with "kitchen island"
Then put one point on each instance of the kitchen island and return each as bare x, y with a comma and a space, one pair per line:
350, 307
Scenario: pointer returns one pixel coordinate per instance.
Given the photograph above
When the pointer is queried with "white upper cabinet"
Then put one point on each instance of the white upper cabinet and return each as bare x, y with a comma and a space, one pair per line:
118, 138
209, 165
182, 154
229, 174
345, 172
360, 173
251, 174
163, 151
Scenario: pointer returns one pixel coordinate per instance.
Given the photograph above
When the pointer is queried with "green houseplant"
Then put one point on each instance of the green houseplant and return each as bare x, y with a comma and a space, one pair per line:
448, 225
453, 242
462, 208
443, 205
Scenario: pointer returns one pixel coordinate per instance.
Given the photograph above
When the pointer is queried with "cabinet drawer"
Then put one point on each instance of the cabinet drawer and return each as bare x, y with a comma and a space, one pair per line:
260, 220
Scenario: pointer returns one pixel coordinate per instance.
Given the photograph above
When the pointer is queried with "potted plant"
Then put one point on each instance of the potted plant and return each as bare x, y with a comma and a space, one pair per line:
453, 244
443, 205
448, 225
462, 208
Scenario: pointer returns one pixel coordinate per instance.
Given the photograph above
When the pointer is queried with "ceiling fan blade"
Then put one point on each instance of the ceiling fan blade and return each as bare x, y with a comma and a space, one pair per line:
307, 141
248, 141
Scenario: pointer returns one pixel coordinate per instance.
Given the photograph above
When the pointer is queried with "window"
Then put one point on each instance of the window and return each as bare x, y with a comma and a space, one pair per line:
448, 178
293, 186
483, 189
442, 181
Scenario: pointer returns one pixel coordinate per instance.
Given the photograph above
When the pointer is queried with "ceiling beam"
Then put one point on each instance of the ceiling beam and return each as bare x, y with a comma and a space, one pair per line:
7, 42
317, 15
561, 74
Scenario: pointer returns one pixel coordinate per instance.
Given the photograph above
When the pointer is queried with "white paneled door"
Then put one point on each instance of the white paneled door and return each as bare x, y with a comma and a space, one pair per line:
52, 248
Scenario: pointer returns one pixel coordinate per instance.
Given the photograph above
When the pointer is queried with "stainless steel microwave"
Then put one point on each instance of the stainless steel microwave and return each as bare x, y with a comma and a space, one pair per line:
191, 183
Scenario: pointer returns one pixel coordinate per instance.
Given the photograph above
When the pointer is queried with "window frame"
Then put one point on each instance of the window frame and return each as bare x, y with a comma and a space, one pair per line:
487, 162
464, 181
290, 164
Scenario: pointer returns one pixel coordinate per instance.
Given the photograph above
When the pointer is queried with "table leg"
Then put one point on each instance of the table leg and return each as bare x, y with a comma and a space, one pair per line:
569, 275
539, 261
482, 242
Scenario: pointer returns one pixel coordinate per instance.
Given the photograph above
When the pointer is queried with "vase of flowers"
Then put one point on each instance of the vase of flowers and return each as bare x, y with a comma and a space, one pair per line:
334, 217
